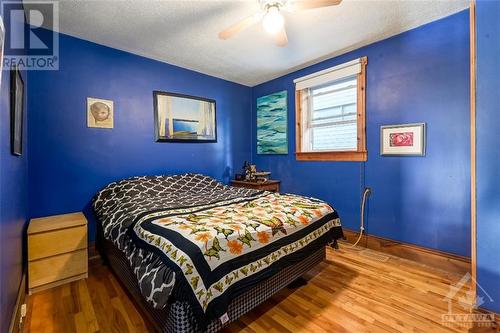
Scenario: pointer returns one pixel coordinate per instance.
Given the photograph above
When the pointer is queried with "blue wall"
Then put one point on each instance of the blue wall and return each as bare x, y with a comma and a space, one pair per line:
418, 76
13, 205
488, 152
71, 162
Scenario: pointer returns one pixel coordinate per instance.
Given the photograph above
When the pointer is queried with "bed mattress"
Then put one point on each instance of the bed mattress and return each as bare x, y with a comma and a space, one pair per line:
189, 238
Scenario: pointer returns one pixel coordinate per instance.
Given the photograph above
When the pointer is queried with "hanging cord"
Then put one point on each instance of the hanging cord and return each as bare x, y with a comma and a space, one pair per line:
366, 193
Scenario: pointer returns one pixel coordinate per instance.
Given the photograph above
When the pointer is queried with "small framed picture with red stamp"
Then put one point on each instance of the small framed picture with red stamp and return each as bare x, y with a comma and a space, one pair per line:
402, 140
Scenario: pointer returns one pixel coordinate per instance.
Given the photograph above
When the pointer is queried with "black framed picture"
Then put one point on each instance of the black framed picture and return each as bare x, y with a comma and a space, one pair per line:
184, 118
16, 111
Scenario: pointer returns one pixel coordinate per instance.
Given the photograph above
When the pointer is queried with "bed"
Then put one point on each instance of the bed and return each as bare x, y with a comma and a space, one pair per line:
196, 254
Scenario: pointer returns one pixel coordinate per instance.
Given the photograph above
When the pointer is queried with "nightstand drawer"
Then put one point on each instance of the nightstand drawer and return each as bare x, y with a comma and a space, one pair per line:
56, 268
269, 187
55, 242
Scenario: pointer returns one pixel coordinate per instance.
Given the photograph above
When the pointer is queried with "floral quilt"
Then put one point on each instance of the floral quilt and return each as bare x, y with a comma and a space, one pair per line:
219, 249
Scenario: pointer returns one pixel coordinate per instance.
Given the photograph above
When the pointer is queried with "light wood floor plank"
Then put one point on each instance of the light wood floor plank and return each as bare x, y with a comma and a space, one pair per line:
348, 292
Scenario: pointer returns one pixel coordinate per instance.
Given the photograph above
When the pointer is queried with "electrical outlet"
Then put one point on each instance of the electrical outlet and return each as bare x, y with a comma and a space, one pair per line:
21, 317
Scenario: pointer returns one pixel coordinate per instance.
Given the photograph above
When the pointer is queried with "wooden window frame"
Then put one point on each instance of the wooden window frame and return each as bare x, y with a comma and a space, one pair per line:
360, 155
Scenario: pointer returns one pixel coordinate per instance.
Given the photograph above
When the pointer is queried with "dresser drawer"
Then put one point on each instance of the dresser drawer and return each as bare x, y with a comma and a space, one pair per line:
56, 268
46, 244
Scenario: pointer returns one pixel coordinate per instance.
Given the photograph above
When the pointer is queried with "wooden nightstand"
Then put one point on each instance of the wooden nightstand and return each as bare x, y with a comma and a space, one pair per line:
270, 185
57, 251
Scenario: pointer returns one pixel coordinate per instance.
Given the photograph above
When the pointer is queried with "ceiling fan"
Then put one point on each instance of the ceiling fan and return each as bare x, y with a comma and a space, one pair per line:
272, 19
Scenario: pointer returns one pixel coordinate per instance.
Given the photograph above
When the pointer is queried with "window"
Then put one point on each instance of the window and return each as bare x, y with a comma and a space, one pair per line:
330, 113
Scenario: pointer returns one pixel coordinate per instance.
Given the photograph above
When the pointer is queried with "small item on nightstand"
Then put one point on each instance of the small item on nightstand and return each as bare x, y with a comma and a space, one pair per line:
250, 172
262, 176
246, 165
252, 175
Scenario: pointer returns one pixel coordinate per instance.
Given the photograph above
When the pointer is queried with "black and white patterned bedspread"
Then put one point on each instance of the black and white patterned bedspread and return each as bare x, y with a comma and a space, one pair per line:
120, 203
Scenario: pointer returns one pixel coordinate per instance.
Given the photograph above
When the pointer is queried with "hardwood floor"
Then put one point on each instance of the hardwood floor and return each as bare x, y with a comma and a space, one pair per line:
351, 291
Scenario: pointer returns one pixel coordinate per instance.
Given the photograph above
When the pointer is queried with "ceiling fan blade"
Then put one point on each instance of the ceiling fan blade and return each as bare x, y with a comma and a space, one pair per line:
237, 27
281, 38
311, 4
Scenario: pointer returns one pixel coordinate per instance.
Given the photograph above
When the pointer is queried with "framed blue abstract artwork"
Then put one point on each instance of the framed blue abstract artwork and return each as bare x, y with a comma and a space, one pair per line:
272, 135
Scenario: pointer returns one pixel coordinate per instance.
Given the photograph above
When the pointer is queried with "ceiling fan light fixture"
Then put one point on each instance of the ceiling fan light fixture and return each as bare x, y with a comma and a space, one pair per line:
273, 22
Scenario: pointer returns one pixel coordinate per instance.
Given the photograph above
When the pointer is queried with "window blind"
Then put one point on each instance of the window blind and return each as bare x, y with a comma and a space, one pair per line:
328, 75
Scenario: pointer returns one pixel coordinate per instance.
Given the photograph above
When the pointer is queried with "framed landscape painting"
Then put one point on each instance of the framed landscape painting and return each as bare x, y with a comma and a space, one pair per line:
272, 135
402, 140
184, 118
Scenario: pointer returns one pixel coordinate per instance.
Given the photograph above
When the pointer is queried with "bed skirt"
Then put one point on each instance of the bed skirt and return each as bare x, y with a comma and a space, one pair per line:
177, 317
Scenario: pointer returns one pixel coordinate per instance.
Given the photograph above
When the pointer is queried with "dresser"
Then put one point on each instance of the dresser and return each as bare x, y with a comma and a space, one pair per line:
57, 251
270, 185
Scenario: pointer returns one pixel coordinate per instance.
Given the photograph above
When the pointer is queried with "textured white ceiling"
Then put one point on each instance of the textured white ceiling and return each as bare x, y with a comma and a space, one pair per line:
184, 33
